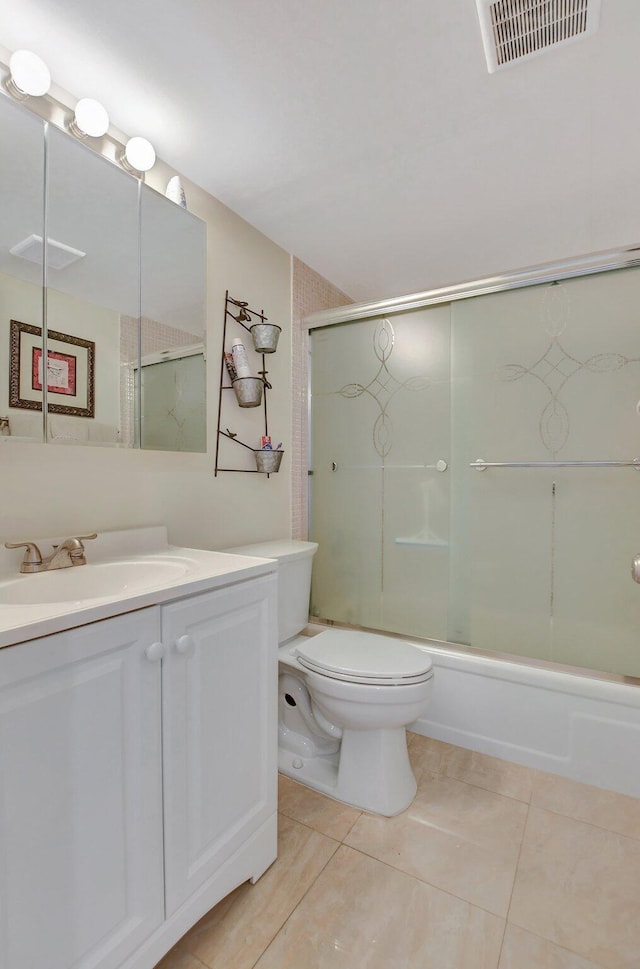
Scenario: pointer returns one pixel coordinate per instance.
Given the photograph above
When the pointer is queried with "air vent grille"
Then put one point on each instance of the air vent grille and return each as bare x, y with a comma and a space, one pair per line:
59, 256
516, 29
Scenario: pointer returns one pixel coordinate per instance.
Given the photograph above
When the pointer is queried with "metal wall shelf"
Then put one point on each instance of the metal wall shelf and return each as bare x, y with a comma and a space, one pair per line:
243, 316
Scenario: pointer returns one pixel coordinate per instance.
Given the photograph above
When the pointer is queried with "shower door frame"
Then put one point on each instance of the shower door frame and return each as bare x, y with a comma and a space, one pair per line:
598, 262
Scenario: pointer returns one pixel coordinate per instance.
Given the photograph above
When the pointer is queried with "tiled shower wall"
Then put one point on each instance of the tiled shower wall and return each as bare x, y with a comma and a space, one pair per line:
310, 294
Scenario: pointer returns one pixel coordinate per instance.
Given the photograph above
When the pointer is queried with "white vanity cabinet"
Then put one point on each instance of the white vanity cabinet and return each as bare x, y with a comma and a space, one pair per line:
137, 777
80, 796
219, 708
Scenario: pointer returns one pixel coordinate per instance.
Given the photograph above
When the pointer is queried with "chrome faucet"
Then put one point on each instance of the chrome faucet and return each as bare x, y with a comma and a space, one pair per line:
68, 553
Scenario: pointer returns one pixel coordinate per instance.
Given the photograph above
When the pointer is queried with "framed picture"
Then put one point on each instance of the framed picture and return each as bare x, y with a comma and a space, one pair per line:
70, 371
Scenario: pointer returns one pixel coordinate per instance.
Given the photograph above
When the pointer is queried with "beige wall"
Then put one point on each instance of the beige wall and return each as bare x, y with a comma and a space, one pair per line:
311, 293
57, 489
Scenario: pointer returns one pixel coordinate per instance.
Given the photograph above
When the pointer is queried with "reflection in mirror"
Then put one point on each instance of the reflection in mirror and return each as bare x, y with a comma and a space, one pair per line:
21, 230
173, 315
92, 290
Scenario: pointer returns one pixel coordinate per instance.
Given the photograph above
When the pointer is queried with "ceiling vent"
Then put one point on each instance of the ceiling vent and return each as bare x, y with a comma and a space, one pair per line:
59, 256
516, 30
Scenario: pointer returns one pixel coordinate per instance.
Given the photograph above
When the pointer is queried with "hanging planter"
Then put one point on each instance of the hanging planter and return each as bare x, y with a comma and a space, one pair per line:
265, 337
268, 461
248, 391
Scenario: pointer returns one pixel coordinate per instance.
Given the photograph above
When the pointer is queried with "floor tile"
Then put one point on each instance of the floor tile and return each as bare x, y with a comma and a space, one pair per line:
579, 886
178, 959
615, 812
490, 773
390, 904
460, 838
319, 812
430, 756
238, 930
522, 950
426, 754
362, 913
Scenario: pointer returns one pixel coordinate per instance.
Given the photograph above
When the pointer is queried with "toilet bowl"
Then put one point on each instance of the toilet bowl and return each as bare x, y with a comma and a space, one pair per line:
363, 690
345, 697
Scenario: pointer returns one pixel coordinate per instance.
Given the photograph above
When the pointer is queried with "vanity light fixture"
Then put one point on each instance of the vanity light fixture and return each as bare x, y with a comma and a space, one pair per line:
90, 119
29, 76
139, 155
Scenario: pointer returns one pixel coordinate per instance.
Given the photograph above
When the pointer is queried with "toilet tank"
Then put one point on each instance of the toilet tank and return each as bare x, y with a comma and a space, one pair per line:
294, 580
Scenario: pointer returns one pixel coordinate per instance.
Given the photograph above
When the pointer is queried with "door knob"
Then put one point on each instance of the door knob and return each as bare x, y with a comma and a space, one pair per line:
635, 568
184, 644
154, 652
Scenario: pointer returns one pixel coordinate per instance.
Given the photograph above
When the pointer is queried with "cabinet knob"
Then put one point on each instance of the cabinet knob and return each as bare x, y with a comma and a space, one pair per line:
184, 644
154, 652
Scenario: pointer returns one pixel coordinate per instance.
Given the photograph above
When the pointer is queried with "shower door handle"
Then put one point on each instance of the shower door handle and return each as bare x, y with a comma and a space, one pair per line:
635, 568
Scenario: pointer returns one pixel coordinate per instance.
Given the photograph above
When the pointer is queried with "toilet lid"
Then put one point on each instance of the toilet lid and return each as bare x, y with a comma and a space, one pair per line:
347, 654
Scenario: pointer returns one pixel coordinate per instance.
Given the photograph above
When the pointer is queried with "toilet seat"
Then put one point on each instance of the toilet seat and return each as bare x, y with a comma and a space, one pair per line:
358, 657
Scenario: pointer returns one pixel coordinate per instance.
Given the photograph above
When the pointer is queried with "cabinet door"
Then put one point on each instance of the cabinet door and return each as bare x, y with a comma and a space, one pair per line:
220, 728
80, 796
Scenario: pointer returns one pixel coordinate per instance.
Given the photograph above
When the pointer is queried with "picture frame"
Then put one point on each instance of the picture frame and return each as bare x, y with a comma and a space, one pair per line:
70, 371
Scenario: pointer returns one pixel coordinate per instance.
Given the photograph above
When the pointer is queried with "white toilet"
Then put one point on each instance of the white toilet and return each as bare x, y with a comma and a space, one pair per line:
345, 697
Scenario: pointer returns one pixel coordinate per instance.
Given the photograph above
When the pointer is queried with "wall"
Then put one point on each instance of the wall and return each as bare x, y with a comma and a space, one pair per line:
55, 490
311, 293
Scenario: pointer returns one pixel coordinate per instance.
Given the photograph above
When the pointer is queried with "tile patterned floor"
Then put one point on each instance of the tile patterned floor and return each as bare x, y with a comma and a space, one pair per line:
493, 866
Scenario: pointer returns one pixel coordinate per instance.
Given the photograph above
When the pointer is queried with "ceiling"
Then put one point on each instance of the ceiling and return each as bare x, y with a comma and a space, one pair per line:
366, 136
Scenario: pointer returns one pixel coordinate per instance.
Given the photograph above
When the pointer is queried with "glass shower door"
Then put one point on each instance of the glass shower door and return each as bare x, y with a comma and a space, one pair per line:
473, 472
548, 376
380, 430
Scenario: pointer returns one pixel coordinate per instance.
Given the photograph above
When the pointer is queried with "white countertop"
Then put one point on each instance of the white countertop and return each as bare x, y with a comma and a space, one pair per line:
192, 571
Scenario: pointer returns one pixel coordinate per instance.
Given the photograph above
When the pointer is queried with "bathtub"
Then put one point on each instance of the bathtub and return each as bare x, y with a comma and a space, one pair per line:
581, 725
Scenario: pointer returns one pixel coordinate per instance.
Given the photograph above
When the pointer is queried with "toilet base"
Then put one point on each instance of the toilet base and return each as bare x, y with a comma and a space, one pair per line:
371, 771
319, 773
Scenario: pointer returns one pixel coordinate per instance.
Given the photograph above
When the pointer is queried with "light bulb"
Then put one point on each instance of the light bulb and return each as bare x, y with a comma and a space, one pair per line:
29, 74
91, 118
140, 154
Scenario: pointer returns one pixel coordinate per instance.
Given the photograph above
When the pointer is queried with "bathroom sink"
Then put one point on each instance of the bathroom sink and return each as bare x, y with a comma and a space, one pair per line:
126, 570
94, 581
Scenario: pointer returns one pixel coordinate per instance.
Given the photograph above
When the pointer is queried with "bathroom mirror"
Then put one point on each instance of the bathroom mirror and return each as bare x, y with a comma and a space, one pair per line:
21, 230
172, 326
123, 294
92, 293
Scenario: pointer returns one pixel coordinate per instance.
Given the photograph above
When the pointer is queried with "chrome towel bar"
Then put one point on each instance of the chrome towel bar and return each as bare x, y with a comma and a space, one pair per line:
481, 465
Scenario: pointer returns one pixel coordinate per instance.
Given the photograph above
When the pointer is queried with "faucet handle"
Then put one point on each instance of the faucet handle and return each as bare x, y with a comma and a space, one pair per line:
75, 541
32, 556
74, 547
85, 538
